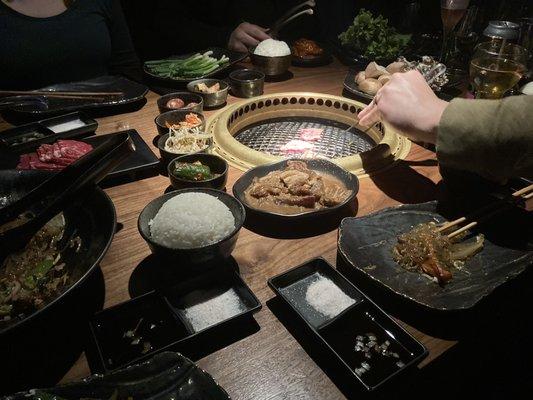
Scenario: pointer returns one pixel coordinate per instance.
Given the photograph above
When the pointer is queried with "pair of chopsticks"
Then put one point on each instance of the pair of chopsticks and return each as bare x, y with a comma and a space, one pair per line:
488, 211
291, 15
61, 94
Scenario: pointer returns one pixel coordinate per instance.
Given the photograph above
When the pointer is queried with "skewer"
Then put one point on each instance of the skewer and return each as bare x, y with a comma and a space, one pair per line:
524, 193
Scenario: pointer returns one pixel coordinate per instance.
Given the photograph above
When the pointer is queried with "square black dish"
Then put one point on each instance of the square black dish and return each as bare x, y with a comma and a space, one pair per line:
73, 125
133, 330
212, 299
234, 57
365, 251
167, 319
365, 341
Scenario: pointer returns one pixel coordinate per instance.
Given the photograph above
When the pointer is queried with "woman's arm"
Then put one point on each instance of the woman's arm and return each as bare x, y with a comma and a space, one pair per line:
493, 138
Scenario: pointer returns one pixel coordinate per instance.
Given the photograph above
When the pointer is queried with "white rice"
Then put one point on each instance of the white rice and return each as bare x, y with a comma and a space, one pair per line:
191, 220
272, 48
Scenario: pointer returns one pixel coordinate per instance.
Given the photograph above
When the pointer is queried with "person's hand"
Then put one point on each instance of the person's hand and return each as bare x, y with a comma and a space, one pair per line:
246, 35
408, 104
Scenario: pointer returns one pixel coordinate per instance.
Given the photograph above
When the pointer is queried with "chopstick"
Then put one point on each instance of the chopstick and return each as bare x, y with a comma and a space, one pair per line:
61, 94
289, 13
524, 193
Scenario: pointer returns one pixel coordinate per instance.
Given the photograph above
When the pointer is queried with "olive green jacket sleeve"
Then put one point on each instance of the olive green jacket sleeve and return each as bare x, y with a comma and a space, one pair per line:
493, 138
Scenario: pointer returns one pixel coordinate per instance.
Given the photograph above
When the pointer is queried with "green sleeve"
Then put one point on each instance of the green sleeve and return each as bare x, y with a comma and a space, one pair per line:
488, 137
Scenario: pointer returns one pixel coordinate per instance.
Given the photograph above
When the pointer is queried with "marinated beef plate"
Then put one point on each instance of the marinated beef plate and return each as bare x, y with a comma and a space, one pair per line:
295, 190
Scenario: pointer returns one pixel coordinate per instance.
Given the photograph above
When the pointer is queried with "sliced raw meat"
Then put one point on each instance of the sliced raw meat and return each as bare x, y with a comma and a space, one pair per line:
54, 156
296, 146
310, 134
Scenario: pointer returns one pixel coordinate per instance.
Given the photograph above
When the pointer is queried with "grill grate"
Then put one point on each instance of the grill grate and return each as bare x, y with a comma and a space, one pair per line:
336, 141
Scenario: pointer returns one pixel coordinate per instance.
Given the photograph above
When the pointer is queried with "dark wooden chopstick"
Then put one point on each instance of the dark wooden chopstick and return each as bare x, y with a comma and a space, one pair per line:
60, 94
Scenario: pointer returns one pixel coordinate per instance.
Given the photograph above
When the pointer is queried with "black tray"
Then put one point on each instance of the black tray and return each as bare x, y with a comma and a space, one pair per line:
161, 377
297, 225
234, 58
142, 164
338, 334
164, 323
10, 138
365, 245
133, 92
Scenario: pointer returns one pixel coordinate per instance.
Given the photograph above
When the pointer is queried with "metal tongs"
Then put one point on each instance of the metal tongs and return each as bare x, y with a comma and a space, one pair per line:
291, 15
50, 198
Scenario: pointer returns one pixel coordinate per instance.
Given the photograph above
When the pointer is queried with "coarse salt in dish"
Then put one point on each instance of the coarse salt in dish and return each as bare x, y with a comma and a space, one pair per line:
272, 48
215, 310
327, 298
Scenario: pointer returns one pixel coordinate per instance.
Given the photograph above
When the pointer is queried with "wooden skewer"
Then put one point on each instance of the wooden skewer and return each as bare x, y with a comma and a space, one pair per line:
450, 224
525, 193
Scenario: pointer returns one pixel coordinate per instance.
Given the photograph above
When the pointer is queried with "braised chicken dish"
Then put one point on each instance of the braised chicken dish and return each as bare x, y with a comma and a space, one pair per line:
294, 190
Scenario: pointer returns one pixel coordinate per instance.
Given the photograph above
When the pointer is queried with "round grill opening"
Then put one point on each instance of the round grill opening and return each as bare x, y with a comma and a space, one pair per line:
331, 139
269, 128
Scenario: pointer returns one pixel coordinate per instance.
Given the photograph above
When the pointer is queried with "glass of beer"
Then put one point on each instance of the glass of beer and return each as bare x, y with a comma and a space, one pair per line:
451, 12
496, 68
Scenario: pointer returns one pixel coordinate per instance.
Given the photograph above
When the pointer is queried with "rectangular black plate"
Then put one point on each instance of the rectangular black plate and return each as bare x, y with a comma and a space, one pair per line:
365, 251
110, 349
10, 137
338, 334
234, 57
141, 164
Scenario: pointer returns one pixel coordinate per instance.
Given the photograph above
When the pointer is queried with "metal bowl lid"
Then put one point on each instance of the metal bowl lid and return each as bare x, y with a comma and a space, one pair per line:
502, 29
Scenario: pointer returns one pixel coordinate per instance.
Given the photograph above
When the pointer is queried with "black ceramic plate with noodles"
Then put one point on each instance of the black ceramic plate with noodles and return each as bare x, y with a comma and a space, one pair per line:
164, 377
303, 224
91, 217
132, 93
365, 251
234, 58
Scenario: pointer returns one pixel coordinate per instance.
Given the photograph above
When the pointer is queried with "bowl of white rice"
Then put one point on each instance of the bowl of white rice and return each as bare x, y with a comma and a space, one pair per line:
272, 57
192, 226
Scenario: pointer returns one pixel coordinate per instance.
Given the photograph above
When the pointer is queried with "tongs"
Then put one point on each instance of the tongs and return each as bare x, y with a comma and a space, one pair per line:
291, 15
52, 196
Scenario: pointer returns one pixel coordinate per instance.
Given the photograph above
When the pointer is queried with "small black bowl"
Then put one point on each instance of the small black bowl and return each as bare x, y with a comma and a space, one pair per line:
218, 166
174, 117
167, 156
304, 224
187, 98
217, 251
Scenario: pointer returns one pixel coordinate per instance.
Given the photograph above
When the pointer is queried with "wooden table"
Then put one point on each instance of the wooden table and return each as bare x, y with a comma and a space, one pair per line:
270, 363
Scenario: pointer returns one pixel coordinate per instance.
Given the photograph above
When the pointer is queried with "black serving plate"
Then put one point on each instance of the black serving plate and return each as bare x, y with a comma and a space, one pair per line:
50, 129
91, 217
234, 57
352, 87
142, 163
338, 334
166, 376
349, 84
303, 224
157, 321
365, 245
133, 92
